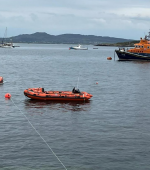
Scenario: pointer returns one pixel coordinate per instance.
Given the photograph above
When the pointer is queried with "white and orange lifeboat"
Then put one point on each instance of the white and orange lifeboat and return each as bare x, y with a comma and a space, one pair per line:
40, 94
1, 80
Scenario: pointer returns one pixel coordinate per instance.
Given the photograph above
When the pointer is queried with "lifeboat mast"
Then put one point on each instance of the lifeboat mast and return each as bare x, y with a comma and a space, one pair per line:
147, 37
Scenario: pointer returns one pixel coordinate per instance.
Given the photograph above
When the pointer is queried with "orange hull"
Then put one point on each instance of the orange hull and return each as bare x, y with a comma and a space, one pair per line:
40, 94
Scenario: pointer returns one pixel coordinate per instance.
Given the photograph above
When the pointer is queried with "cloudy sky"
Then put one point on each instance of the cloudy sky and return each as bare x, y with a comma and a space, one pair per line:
128, 19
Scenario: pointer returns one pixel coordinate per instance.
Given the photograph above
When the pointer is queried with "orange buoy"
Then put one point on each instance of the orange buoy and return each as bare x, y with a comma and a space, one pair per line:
109, 58
8, 95
1, 80
96, 82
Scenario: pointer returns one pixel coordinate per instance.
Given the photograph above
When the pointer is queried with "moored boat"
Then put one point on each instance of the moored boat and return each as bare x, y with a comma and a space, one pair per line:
78, 47
141, 51
40, 94
1, 80
5, 44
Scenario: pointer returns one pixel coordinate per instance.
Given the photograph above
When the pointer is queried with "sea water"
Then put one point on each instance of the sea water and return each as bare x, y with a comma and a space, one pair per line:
110, 132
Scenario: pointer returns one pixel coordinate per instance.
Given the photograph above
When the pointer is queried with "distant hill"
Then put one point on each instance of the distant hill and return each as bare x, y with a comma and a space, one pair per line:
42, 37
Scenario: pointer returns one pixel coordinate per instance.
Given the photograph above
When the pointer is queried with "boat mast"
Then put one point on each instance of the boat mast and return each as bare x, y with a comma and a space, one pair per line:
5, 36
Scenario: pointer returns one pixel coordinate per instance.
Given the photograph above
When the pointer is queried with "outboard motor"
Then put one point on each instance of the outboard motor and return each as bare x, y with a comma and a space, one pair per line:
75, 90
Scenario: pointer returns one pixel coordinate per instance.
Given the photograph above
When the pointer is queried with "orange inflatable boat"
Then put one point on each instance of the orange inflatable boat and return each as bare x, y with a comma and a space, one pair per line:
40, 94
1, 80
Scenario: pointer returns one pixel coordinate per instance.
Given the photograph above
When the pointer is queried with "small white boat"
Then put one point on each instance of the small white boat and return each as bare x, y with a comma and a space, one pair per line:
78, 47
6, 44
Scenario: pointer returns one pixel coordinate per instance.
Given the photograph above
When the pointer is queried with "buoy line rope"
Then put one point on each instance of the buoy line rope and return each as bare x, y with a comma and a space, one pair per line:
39, 134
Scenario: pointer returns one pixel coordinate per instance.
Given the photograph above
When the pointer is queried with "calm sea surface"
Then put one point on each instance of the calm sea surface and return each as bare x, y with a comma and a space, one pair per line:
110, 132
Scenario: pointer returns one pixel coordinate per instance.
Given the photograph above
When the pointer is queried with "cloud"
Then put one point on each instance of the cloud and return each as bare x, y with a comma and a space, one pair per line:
97, 17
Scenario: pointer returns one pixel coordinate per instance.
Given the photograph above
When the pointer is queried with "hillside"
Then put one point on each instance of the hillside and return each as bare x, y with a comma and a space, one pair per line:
42, 37
119, 44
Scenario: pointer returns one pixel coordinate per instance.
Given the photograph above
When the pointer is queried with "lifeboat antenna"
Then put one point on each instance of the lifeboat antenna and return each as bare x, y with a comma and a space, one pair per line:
148, 36
77, 81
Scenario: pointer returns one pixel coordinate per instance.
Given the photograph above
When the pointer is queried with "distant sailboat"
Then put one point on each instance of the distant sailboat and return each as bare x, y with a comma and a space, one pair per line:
6, 44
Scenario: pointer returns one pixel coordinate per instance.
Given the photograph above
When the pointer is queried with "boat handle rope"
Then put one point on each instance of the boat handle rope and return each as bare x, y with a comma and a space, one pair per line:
38, 133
